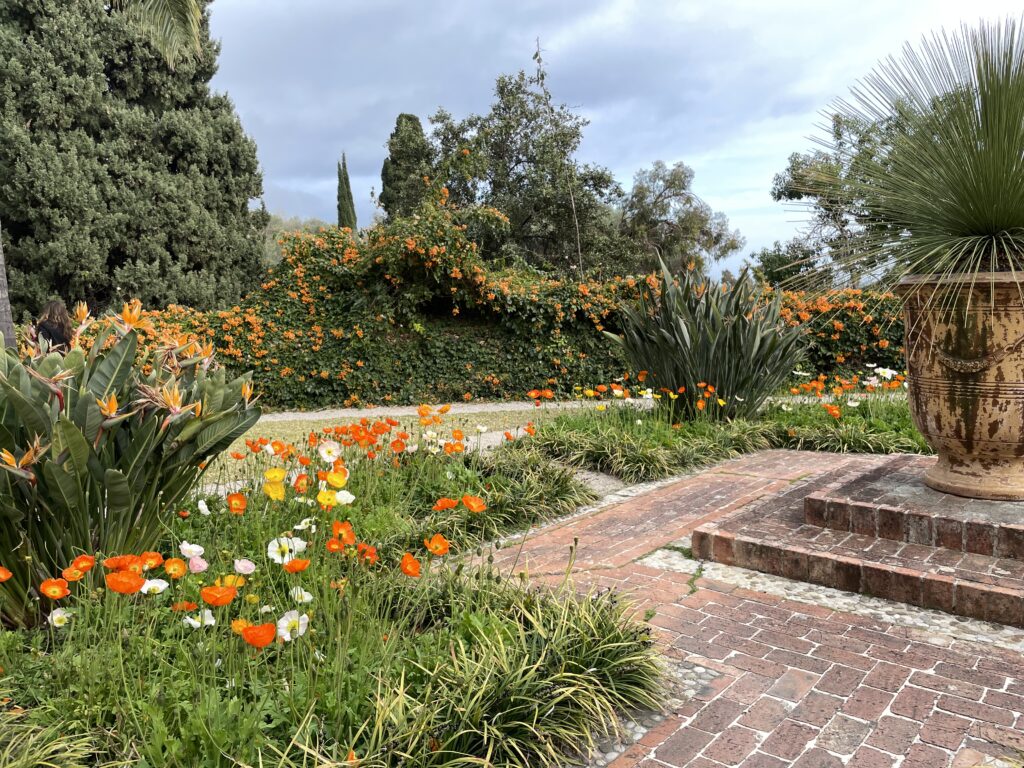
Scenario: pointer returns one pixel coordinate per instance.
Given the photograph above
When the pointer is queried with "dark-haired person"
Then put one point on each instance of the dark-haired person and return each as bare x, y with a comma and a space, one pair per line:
54, 325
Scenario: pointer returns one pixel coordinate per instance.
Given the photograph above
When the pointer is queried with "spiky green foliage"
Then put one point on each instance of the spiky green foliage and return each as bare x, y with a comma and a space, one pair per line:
346, 205
945, 195
728, 336
77, 479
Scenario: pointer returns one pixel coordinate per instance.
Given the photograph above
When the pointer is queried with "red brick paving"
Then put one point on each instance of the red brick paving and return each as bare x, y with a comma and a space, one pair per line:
799, 684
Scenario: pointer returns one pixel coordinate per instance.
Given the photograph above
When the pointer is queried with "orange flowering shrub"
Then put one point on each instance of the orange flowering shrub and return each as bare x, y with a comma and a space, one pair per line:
411, 312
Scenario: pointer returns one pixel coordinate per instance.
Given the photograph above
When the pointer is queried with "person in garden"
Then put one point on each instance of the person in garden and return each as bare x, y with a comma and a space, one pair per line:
54, 325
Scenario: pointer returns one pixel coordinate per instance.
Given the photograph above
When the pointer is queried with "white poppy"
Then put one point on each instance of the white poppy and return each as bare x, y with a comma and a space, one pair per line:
283, 549
886, 373
299, 595
268, 449
307, 524
292, 625
481, 428
344, 497
329, 451
205, 619
244, 566
154, 586
266, 609
59, 617
203, 508
853, 403
188, 551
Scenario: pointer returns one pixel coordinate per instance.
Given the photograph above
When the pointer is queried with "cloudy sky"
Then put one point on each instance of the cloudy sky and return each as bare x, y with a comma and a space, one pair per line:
730, 87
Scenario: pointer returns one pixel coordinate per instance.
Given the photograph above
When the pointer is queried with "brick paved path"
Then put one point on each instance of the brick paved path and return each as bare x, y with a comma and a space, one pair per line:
799, 683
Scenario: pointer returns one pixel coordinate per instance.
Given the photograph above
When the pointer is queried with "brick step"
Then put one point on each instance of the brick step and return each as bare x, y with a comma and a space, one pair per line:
774, 538
892, 502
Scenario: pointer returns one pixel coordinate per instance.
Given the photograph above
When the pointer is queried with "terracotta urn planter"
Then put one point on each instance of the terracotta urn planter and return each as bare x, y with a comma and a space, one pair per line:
965, 369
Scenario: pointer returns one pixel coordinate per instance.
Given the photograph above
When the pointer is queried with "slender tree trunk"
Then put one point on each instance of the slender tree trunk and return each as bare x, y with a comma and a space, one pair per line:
6, 318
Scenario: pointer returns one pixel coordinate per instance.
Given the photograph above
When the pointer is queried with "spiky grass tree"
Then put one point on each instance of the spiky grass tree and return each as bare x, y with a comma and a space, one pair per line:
944, 195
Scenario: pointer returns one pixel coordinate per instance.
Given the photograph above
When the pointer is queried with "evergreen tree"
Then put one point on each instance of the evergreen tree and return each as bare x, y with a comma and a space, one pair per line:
409, 159
121, 176
346, 205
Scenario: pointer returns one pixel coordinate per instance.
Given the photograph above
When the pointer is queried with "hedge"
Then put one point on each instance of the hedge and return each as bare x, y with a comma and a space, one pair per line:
409, 313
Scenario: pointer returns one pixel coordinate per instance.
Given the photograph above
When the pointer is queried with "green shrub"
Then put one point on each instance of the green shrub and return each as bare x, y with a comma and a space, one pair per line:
695, 334
98, 448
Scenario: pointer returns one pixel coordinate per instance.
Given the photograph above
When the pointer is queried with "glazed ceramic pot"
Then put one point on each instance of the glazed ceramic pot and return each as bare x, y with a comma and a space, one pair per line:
965, 370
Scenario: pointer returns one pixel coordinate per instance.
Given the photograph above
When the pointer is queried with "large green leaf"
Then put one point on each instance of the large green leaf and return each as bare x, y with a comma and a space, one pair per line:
34, 416
68, 438
113, 368
63, 488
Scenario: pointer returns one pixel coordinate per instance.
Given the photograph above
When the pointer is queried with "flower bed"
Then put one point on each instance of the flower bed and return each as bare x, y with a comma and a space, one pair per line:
313, 614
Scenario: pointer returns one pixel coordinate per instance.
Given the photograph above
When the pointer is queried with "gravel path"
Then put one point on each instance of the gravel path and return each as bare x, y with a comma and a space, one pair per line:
410, 410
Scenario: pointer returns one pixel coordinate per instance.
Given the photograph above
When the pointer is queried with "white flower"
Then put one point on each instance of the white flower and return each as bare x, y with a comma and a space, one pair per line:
853, 403
412, 448
205, 619
244, 567
154, 586
648, 394
886, 373
268, 449
299, 595
344, 497
266, 609
786, 408
618, 393
329, 451
292, 625
283, 550
430, 434
306, 500
481, 428
307, 524
203, 508
188, 551
59, 617
639, 422
433, 450
800, 373
870, 365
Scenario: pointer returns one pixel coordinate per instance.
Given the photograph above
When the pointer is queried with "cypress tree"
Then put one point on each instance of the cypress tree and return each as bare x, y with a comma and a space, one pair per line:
346, 205
121, 176
409, 159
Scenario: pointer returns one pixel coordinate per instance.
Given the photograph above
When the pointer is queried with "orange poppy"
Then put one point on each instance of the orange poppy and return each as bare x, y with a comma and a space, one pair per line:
344, 532
237, 503
335, 545
301, 484
397, 446
218, 596
437, 545
237, 456
367, 553
131, 563
151, 560
474, 503
72, 574
296, 565
445, 503
410, 566
458, 434
175, 567
4, 574
260, 635
184, 513
83, 563
184, 605
124, 582
55, 589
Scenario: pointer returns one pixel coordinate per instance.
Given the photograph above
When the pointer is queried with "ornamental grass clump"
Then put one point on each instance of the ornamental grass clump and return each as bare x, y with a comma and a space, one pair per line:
98, 449
692, 331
